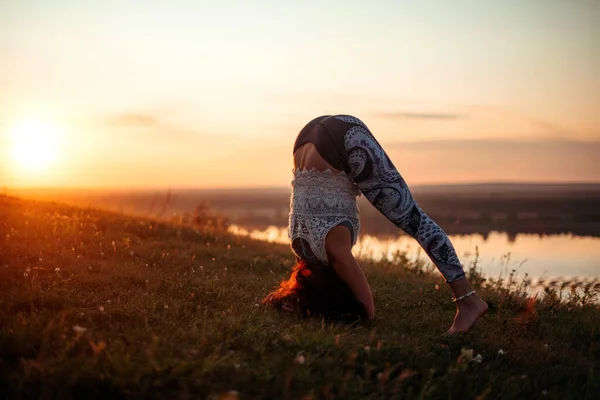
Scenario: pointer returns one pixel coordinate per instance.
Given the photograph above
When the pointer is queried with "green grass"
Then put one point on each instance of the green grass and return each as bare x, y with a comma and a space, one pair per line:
171, 312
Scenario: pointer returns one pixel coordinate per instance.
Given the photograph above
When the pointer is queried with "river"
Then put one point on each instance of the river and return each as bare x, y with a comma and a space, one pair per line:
546, 258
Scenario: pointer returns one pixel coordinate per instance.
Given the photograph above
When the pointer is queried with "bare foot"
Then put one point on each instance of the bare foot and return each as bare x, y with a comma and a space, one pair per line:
468, 311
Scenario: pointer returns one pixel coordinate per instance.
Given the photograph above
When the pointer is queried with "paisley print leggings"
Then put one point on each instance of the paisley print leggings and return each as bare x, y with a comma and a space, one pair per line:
346, 143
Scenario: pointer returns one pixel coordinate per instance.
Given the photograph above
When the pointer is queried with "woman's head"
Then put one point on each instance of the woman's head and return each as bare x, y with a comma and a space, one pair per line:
315, 289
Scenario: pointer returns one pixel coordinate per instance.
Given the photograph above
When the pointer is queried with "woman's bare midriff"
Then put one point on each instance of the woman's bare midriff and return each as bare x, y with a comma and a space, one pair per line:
308, 157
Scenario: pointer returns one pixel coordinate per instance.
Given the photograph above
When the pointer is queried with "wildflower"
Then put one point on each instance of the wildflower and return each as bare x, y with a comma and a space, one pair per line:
79, 329
166, 306
98, 347
407, 373
56, 270
213, 259
231, 395
40, 259
437, 287
25, 274
465, 355
546, 346
101, 308
500, 352
201, 267
256, 305
367, 348
108, 301
228, 247
299, 358
478, 359
225, 269
131, 253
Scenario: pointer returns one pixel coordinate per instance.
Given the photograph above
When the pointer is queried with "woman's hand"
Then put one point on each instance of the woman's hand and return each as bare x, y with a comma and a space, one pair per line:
285, 307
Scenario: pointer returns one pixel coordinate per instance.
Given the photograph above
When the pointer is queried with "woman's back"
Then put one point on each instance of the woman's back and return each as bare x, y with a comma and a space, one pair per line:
307, 157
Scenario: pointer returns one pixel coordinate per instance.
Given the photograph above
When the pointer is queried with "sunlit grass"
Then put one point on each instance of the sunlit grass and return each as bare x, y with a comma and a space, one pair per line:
95, 304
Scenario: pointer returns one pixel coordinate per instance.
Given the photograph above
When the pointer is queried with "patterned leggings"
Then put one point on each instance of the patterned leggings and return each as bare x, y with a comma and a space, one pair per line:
346, 143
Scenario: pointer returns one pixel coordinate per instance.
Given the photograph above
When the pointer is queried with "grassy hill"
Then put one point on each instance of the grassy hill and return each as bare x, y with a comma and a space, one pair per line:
100, 305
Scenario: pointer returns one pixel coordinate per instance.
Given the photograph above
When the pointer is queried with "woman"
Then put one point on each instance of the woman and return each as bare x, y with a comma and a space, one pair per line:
335, 159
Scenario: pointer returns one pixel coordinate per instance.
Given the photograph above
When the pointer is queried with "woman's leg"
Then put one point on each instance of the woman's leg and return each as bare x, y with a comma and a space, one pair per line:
382, 184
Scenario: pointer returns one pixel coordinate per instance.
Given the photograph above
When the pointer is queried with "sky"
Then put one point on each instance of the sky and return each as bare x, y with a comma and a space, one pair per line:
212, 94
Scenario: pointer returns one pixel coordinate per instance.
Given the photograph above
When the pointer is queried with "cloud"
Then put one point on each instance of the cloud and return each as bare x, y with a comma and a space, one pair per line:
551, 128
134, 119
529, 145
150, 128
422, 115
478, 121
548, 128
438, 161
161, 127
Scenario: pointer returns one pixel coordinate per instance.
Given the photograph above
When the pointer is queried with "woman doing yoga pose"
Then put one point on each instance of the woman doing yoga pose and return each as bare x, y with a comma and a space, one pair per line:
336, 158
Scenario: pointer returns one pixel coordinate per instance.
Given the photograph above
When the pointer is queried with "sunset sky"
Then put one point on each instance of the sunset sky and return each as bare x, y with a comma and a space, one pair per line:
213, 93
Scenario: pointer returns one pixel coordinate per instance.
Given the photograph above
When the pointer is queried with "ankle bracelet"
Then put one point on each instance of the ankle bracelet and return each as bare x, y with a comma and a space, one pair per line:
455, 299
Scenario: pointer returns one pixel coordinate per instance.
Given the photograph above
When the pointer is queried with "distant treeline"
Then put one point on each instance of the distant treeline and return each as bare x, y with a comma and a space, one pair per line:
458, 209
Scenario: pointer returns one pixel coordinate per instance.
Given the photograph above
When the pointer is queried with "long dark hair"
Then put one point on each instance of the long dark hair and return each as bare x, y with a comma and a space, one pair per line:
315, 289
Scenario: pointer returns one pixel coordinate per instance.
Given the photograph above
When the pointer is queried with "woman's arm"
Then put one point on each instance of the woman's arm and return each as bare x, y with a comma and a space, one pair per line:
339, 252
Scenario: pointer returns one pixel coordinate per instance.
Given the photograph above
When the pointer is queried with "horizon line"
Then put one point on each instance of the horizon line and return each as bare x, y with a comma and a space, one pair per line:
6, 189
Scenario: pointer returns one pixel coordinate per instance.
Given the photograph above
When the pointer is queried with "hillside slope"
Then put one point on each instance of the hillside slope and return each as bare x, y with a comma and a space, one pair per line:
96, 305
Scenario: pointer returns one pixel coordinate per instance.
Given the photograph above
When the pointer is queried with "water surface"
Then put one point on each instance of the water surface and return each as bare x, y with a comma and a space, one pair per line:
565, 256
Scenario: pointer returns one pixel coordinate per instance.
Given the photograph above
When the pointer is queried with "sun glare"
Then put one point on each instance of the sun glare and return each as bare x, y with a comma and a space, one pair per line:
35, 144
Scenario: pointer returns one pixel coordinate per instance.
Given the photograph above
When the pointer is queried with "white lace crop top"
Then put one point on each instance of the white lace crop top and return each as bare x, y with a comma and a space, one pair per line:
319, 202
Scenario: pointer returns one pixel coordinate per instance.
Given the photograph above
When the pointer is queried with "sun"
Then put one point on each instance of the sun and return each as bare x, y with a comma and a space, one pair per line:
35, 144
